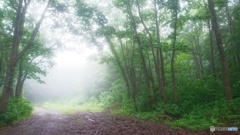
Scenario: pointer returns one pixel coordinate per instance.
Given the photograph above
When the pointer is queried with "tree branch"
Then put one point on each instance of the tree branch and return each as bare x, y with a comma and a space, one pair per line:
34, 33
12, 4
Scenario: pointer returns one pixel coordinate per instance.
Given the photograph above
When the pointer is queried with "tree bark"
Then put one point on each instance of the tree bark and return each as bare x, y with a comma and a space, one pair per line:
131, 75
20, 81
224, 63
160, 81
1, 71
118, 63
15, 55
126, 67
17, 36
174, 87
145, 71
160, 56
212, 50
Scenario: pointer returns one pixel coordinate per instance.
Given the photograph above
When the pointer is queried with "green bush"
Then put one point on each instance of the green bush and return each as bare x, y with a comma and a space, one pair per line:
192, 122
216, 113
17, 110
195, 90
172, 110
106, 99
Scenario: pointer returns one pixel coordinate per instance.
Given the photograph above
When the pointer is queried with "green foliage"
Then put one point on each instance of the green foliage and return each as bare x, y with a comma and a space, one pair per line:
147, 115
17, 110
200, 91
217, 113
142, 103
73, 105
172, 110
200, 106
107, 99
192, 122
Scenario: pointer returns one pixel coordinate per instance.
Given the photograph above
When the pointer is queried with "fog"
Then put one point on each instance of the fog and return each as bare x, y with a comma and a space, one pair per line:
74, 74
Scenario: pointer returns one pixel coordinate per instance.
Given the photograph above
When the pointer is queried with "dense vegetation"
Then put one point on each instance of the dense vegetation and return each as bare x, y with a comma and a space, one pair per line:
17, 110
173, 60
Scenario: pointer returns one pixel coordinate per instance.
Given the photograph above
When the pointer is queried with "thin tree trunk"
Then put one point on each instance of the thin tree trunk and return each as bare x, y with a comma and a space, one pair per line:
162, 66
200, 56
212, 50
160, 81
229, 18
19, 81
145, 71
118, 63
197, 56
134, 86
233, 43
151, 78
131, 75
194, 53
1, 71
224, 63
173, 53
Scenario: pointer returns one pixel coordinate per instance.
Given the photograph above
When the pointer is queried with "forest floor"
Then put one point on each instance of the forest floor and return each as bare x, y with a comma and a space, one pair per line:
46, 122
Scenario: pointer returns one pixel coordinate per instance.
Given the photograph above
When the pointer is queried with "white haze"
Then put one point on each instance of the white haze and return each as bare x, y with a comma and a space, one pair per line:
73, 75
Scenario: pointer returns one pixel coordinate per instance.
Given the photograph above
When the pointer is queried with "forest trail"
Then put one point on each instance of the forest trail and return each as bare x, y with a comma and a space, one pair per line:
45, 122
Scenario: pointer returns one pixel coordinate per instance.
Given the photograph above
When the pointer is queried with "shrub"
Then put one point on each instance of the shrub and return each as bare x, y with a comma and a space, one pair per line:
216, 113
17, 110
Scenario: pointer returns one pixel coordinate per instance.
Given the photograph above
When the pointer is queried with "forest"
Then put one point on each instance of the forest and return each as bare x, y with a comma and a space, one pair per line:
175, 62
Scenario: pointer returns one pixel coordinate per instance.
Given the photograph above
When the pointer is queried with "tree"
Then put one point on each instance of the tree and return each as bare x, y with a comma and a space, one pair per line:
160, 79
224, 62
139, 43
35, 61
174, 5
15, 54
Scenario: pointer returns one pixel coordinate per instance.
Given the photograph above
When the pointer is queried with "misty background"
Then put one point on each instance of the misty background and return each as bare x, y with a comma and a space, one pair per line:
73, 74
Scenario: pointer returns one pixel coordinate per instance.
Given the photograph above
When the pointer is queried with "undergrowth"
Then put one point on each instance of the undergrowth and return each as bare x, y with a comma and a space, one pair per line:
218, 113
17, 110
201, 117
73, 105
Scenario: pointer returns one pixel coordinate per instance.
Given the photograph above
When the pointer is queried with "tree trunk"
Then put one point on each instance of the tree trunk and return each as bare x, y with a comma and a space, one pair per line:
199, 53
162, 66
212, 50
173, 53
15, 55
18, 33
131, 75
194, 53
224, 63
145, 71
151, 77
229, 18
18, 90
118, 63
197, 56
1, 71
160, 81
134, 86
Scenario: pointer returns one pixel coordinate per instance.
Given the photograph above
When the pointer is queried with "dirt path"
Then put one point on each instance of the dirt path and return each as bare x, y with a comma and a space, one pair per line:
44, 122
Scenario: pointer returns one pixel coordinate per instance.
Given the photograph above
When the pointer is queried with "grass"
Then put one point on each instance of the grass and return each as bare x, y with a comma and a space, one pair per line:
218, 113
68, 107
193, 123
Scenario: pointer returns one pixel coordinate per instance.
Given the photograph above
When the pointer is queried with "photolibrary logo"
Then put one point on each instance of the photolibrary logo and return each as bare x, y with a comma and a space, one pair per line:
212, 128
